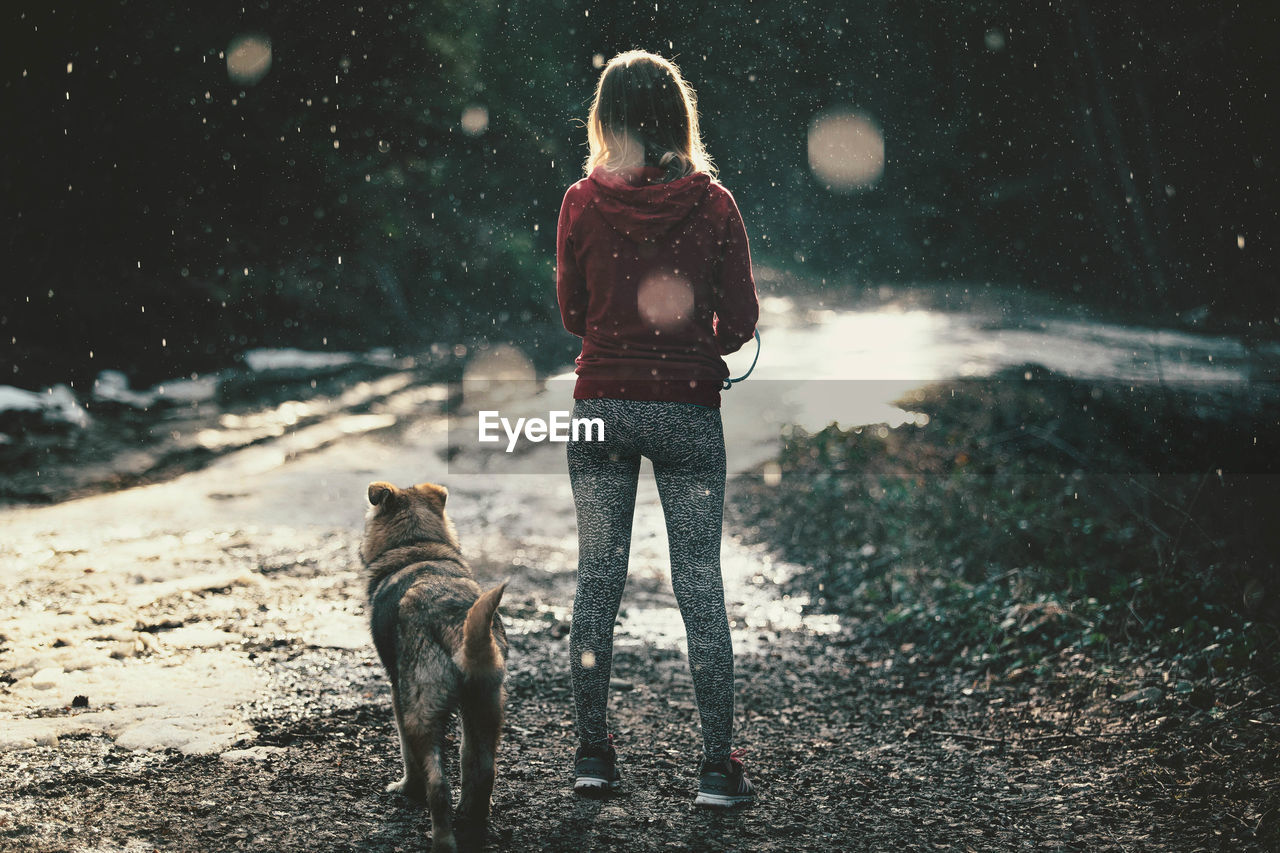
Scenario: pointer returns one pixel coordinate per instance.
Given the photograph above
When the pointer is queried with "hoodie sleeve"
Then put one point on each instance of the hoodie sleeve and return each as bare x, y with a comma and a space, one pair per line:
571, 286
737, 308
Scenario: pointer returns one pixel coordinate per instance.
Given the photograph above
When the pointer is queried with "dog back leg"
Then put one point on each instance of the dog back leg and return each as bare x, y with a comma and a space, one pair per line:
480, 704
427, 700
411, 784
439, 796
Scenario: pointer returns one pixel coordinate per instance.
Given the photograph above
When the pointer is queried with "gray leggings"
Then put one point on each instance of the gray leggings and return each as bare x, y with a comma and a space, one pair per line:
685, 442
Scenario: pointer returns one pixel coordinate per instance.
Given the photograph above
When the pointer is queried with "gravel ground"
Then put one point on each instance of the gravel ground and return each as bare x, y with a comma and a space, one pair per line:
854, 744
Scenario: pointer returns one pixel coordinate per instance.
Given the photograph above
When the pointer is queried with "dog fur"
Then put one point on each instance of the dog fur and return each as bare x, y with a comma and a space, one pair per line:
442, 643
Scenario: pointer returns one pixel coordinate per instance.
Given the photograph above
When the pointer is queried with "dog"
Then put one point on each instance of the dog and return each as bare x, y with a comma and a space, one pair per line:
442, 643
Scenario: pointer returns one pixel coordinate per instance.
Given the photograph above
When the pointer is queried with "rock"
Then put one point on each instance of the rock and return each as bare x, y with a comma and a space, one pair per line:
10, 743
253, 753
47, 678
620, 684
1202, 697
31, 666
1142, 694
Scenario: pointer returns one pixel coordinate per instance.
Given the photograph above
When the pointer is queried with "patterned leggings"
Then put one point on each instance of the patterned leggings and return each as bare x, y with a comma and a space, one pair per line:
685, 442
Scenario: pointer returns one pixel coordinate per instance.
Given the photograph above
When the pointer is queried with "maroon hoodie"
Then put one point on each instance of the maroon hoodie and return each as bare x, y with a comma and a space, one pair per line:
656, 280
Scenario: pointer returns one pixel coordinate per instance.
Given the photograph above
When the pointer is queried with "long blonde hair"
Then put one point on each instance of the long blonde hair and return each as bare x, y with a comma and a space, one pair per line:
645, 113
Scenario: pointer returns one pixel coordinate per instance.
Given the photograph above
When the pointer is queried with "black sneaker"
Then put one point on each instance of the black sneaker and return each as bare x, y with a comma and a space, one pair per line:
595, 769
725, 784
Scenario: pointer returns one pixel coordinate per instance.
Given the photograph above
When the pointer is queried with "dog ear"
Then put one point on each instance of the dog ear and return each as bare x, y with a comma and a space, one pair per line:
434, 493
379, 491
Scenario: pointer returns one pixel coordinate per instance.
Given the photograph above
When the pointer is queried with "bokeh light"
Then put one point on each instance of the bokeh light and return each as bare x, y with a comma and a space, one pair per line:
846, 150
496, 375
502, 362
475, 120
665, 302
248, 59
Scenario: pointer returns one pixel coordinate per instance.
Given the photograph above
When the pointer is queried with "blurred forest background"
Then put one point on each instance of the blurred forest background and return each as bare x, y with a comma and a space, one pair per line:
390, 173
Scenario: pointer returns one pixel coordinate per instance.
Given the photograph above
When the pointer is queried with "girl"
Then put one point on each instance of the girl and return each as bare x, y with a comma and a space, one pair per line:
653, 272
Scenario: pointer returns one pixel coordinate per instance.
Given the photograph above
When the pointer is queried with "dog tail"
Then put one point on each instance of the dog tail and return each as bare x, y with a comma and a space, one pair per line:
480, 653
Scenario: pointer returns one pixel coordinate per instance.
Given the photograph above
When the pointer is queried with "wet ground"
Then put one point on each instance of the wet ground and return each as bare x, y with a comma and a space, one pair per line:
855, 746
186, 664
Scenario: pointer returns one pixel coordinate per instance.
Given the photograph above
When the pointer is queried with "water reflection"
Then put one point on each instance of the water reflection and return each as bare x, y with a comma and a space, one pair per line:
849, 367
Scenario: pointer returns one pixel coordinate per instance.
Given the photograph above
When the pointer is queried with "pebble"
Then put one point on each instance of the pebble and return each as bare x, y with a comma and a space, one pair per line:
253, 753
47, 678
1144, 694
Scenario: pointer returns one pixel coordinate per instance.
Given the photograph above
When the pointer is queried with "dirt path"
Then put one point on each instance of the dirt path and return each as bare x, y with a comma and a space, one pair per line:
168, 649
849, 742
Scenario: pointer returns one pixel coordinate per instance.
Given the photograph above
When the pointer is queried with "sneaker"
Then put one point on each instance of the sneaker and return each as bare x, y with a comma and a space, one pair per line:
595, 768
725, 784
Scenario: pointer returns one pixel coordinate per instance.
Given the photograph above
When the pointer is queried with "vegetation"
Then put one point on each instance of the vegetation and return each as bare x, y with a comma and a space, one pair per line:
1090, 561
1032, 517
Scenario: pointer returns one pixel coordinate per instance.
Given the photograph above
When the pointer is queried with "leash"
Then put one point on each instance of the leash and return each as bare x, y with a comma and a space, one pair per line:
729, 383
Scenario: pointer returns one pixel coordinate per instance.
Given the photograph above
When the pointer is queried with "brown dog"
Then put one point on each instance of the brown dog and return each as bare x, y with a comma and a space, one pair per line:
443, 647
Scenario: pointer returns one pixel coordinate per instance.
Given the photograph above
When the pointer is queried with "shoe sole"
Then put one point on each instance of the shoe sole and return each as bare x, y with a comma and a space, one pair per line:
722, 801
595, 783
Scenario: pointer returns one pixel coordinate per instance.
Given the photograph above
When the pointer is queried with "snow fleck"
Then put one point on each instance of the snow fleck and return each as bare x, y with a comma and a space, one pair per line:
260, 360
112, 386
17, 400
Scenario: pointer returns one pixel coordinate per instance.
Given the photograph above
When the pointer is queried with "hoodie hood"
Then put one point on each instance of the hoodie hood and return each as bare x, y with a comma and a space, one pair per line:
639, 206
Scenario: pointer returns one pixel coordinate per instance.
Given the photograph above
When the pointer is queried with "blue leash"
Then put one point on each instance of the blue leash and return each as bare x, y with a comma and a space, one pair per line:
729, 383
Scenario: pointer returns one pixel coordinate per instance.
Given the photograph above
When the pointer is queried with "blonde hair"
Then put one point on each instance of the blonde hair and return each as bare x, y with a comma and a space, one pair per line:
644, 113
